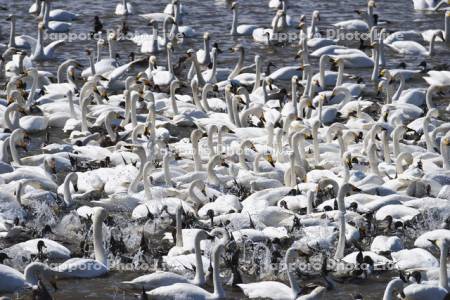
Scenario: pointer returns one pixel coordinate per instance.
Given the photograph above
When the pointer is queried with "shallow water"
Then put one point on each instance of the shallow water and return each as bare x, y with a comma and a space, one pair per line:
213, 16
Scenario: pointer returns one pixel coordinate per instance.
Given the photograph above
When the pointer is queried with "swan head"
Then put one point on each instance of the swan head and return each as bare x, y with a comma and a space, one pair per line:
99, 214
11, 17
206, 36
41, 26
234, 5
316, 15
170, 46
371, 3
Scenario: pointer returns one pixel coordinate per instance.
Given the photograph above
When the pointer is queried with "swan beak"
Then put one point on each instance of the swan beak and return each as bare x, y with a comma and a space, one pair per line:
224, 164
349, 164
355, 189
9, 18
269, 158
446, 141
253, 148
104, 78
75, 187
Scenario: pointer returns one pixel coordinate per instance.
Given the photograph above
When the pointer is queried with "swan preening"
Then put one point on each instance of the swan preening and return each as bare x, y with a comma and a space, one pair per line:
276, 169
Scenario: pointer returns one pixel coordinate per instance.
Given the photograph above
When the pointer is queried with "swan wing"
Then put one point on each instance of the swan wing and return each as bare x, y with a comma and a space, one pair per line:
50, 48
157, 279
266, 289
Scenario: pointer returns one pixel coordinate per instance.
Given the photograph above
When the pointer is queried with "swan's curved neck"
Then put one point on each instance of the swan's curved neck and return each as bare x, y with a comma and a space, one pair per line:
30, 99
91, 62
12, 146
391, 286
166, 167
376, 63
429, 96
59, 72
192, 195
71, 178
133, 188
207, 88
99, 249
426, 134
432, 42
84, 112
194, 86
199, 271
400, 88
235, 102
403, 156
36, 271
195, 151
198, 71
212, 176
108, 126
148, 168
397, 134
239, 65
234, 24
229, 101
386, 151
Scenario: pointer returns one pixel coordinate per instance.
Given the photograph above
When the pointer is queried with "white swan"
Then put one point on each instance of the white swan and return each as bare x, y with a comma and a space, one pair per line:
189, 291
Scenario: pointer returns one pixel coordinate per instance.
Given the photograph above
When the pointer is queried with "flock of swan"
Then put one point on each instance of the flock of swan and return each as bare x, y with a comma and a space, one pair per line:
226, 183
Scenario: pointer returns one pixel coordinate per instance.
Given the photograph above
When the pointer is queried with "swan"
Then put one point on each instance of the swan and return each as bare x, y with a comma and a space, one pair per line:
124, 9
12, 281
265, 35
19, 42
425, 4
278, 290
413, 48
45, 53
242, 29
54, 26
189, 291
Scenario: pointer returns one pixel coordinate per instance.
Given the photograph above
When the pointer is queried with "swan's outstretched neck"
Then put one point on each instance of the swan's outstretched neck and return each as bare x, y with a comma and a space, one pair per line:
290, 255
99, 249
394, 284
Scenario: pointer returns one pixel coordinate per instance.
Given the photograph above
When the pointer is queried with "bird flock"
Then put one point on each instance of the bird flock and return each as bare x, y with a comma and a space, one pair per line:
192, 179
